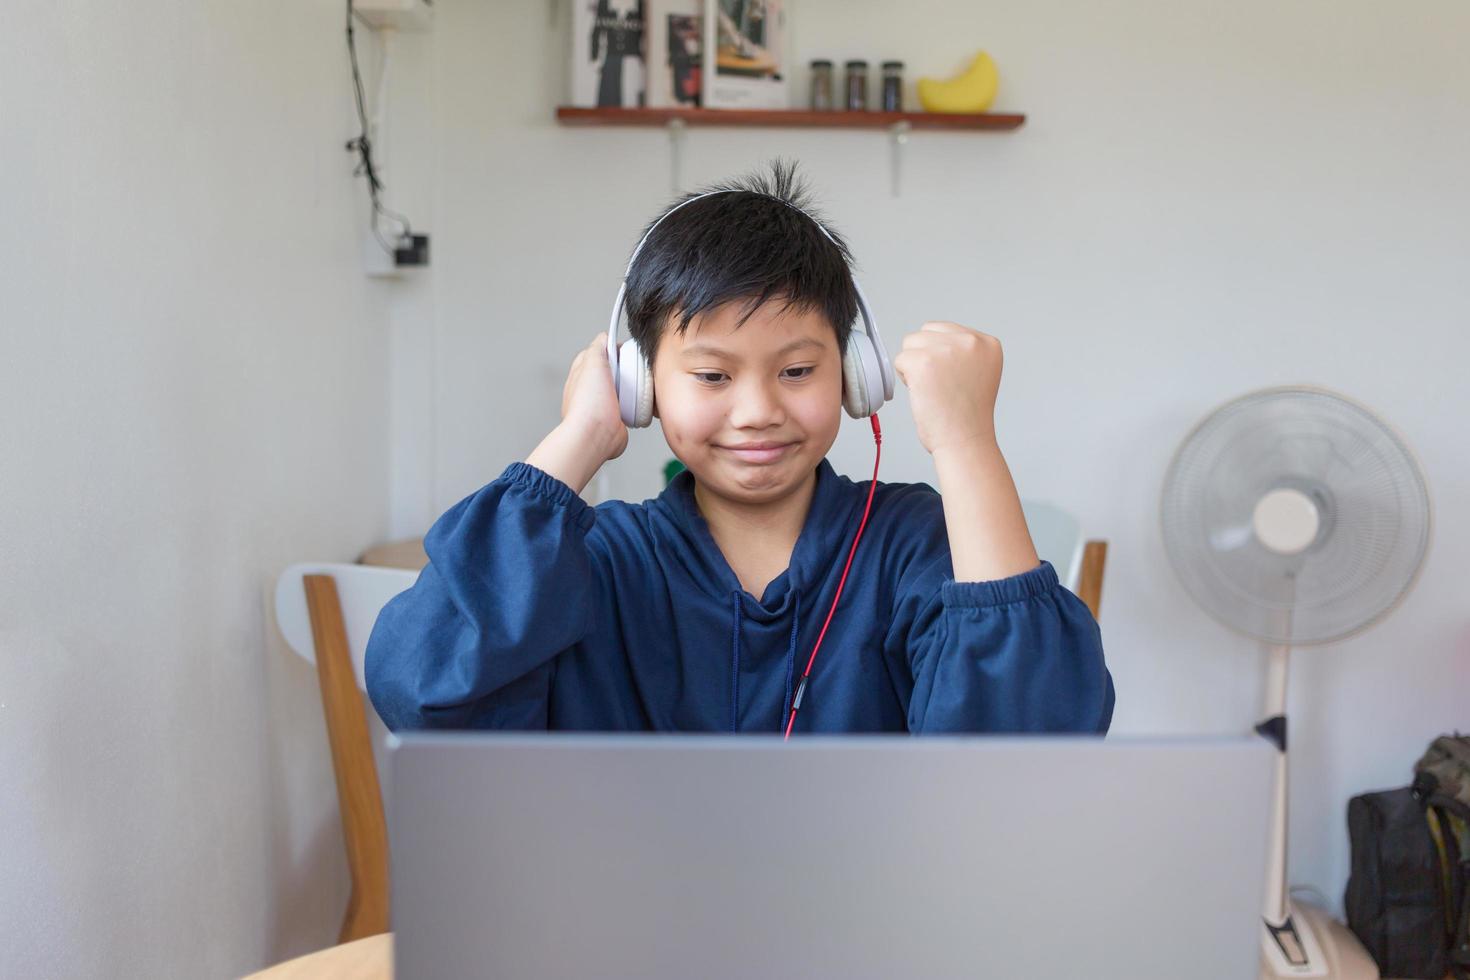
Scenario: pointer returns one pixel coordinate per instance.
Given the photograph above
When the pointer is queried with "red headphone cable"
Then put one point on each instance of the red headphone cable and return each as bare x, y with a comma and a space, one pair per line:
806, 674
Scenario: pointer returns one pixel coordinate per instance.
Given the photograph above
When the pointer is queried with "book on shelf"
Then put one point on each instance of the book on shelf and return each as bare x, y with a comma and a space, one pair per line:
748, 69
674, 35
607, 63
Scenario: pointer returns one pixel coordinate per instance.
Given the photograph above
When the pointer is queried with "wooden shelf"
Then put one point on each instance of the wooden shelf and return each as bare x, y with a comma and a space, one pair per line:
577, 116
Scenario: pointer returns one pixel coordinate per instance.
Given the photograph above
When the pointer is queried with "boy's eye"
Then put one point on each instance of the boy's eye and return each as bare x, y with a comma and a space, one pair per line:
790, 374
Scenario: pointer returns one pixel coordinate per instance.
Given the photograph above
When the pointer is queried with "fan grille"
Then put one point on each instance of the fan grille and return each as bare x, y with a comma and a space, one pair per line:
1366, 483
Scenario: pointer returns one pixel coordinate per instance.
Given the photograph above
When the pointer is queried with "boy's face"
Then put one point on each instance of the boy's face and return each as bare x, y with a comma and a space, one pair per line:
722, 393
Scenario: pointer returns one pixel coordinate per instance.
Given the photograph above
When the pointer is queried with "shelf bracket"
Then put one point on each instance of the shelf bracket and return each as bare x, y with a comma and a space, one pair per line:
898, 135
676, 129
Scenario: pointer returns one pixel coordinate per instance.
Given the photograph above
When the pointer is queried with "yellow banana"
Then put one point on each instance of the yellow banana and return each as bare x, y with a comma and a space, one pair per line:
973, 90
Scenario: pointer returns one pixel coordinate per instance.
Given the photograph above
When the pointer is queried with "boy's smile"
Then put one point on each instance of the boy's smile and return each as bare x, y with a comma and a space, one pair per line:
750, 409
759, 452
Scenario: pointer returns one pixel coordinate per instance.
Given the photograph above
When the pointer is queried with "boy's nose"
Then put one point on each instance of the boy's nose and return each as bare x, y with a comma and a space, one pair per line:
757, 406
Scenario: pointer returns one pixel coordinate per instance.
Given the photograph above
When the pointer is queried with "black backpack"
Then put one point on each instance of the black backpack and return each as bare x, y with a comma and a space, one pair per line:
1406, 896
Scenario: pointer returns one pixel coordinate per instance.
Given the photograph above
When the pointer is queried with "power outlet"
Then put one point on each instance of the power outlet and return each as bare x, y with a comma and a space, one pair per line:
413, 250
409, 252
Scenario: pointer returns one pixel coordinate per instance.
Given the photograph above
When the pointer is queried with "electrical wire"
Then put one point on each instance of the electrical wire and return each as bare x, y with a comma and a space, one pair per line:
362, 145
801, 688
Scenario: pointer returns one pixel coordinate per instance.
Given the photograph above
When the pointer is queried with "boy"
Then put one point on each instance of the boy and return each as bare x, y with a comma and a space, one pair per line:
698, 610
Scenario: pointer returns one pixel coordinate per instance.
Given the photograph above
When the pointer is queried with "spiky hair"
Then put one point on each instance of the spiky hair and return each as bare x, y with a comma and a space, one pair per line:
755, 240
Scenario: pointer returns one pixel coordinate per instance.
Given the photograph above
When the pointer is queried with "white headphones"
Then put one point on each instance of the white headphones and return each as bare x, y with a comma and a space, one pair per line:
867, 373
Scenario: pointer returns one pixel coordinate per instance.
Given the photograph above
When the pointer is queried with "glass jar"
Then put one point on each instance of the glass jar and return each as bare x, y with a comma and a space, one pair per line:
892, 86
857, 85
821, 85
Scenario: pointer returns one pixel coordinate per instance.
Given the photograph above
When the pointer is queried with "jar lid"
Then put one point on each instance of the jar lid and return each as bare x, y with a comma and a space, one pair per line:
893, 64
857, 63
821, 63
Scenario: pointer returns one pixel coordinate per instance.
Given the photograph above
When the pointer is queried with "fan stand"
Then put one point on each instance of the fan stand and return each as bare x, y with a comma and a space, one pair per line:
1324, 470
1297, 940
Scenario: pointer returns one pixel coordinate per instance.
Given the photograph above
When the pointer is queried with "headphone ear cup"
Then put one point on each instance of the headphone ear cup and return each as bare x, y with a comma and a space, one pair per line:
628, 382
854, 384
635, 387
644, 416
869, 367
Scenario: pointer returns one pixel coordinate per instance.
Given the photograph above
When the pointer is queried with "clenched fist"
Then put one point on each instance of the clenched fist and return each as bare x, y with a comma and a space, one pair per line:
953, 375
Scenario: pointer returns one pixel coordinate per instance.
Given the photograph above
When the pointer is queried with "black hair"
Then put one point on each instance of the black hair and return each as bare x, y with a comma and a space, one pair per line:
759, 240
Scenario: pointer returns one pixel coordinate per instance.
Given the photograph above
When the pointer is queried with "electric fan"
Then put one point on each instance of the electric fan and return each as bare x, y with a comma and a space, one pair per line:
1296, 517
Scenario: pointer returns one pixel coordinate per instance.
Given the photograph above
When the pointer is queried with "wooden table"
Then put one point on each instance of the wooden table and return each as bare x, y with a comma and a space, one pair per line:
365, 959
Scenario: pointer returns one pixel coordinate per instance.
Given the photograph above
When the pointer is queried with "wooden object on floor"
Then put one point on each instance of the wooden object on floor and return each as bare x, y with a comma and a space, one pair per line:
408, 553
1089, 582
361, 800
365, 959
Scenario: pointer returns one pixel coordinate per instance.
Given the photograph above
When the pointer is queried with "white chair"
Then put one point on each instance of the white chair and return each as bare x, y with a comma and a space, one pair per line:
326, 613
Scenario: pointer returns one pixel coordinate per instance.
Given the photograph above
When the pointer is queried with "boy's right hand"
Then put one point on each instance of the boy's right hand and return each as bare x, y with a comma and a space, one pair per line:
591, 430
589, 403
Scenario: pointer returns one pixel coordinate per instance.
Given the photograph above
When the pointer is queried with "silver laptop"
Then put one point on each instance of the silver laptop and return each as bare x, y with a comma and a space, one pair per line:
623, 856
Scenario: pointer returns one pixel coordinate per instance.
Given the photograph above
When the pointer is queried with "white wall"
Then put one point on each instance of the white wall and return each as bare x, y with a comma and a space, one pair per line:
1202, 202
192, 395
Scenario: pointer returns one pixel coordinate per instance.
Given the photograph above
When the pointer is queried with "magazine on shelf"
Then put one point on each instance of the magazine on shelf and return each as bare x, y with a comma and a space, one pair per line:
674, 34
748, 69
607, 53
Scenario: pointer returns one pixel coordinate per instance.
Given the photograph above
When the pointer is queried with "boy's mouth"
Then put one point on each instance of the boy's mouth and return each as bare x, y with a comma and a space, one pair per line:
759, 452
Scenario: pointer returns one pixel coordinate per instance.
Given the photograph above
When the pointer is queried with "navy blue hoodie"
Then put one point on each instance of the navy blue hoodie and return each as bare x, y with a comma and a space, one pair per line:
537, 611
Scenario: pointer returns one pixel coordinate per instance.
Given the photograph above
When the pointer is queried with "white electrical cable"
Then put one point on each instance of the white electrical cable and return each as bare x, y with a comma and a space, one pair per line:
378, 126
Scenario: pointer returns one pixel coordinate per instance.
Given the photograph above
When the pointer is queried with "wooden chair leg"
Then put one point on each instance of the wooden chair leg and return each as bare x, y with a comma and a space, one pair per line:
364, 827
1089, 581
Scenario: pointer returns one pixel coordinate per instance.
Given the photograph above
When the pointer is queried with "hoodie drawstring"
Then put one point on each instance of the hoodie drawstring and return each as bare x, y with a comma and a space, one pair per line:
790, 665
739, 615
735, 667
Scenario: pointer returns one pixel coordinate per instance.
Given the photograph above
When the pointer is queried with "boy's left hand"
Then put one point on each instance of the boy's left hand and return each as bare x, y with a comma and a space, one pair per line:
953, 376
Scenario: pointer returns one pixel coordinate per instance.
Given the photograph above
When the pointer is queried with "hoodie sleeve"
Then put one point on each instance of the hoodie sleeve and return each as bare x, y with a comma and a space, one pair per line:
509, 586
1020, 654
